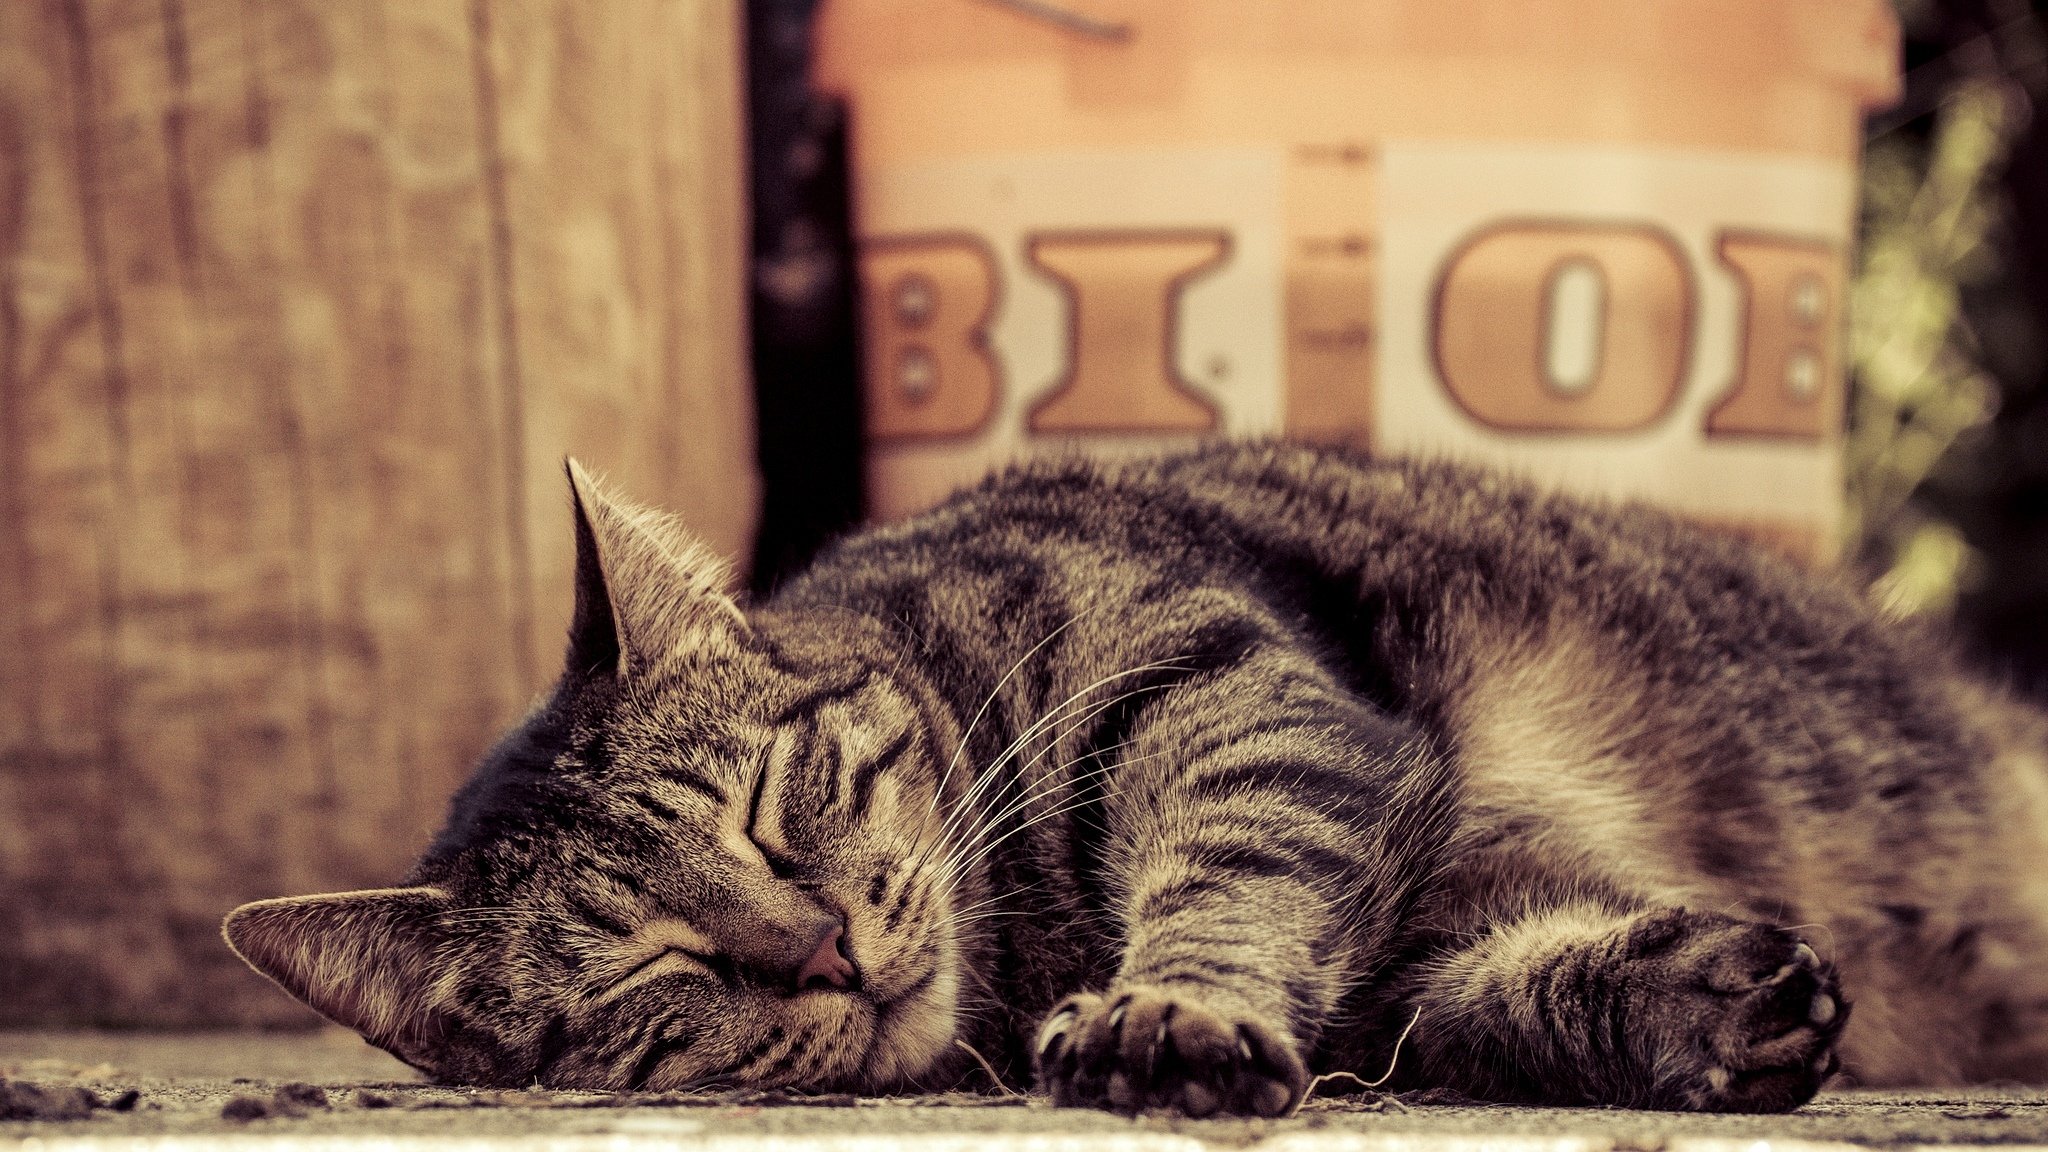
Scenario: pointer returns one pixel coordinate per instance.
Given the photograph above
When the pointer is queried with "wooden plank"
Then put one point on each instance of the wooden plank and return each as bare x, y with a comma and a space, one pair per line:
444, 403
619, 139
62, 751
281, 528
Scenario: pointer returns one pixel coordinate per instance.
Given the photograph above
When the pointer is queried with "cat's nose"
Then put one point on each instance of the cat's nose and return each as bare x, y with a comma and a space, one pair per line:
829, 965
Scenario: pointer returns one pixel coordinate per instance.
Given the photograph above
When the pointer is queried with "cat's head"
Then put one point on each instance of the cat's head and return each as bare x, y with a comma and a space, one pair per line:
713, 856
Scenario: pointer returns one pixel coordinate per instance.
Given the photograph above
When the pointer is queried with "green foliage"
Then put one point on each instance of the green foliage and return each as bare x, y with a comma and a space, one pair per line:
1918, 386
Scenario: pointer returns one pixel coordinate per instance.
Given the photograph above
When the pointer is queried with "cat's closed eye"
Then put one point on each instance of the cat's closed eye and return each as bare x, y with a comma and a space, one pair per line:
673, 947
780, 862
669, 961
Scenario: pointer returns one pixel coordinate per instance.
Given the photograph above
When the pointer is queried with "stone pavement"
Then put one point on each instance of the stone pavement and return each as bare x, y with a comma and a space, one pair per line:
328, 1091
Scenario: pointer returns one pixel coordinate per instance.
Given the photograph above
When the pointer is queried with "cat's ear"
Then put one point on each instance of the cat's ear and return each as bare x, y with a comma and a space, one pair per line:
644, 586
367, 960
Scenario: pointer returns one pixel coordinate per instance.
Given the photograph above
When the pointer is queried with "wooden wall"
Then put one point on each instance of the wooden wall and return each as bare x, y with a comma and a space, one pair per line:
301, 304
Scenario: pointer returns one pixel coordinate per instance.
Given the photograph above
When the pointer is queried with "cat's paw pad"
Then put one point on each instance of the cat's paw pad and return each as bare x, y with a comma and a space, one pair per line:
1750, 1014
1151, 1047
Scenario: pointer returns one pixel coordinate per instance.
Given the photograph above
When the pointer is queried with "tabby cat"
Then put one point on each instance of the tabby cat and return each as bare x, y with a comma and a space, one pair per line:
1175, 782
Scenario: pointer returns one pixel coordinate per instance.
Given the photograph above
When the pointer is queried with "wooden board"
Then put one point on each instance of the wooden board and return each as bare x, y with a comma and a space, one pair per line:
301, 304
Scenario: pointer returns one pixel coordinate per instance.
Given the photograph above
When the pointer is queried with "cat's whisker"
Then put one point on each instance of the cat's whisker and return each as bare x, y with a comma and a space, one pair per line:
973, 854
982, 854
959, 922
988, 702
1056, 780
991, 901
1074, 700
1058, 713
970, 849
1052, 785
1044, 787
999, 898
968, 806
984, 851
967, 736
992, 773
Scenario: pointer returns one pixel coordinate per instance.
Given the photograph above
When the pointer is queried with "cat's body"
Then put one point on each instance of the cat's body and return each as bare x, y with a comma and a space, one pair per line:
1185, 778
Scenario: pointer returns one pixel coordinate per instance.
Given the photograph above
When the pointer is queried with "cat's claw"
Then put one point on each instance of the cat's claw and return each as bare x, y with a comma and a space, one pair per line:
1749, 1013
1156, 1048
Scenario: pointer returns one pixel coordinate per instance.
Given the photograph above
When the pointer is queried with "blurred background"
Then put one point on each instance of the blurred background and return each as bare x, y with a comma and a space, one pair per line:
1948, 418
301, 304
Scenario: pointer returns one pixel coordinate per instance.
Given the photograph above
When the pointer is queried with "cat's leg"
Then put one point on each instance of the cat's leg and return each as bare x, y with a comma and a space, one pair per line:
1651, 1009
1261, 836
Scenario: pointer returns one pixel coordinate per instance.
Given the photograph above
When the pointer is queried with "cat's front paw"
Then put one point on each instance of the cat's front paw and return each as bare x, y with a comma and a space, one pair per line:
1155, 1047
1749, 1014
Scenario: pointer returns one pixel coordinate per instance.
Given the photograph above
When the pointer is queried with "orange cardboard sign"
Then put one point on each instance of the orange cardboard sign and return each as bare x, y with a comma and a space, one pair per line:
1602, 242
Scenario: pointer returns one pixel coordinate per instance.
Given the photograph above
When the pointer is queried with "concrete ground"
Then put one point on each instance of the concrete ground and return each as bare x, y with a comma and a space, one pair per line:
329, 1091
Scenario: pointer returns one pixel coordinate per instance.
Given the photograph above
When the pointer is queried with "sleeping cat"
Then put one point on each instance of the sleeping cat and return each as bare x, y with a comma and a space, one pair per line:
1177, 781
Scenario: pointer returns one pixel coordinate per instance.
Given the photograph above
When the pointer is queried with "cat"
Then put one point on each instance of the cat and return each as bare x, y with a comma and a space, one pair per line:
1177, 781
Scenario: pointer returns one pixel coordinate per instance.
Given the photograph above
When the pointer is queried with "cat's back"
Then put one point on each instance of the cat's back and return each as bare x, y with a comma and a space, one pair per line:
1344, 540
1427, 536
1580, 657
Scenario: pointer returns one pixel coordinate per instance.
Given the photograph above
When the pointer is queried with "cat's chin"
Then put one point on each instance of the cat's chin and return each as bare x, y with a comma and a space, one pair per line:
913, 1032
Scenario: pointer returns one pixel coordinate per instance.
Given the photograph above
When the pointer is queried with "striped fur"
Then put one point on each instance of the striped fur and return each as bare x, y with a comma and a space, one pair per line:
1174, 782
